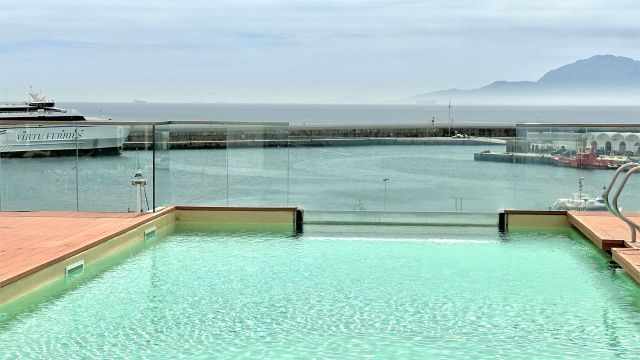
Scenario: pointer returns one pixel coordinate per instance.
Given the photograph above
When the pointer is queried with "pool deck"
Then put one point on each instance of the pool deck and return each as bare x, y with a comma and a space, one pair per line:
603, 229
31, 241
611, 234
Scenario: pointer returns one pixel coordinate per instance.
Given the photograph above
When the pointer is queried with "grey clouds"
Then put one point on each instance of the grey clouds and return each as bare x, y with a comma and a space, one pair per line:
296, 51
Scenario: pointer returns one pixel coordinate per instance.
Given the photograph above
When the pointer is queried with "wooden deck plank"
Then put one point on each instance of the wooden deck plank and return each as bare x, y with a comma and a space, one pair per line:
603, 229
30, 241
629, 260
611, 234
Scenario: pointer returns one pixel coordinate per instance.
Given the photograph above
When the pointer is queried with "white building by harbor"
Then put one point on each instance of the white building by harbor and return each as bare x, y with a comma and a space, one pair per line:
614, 142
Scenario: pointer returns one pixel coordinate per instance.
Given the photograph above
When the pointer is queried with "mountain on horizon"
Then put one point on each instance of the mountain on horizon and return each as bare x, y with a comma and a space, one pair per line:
600, 79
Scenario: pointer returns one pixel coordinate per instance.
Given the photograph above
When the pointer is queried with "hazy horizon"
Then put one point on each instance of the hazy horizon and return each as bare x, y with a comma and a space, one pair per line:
294, 52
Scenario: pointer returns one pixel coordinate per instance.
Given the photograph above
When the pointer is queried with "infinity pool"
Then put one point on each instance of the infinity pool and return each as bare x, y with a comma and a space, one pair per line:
347, 292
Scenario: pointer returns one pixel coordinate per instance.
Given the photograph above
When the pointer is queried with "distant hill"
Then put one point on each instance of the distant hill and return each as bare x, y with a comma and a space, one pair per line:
600, 79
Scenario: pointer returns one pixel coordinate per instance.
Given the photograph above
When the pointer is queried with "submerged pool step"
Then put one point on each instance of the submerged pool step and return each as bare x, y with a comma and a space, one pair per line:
629, 260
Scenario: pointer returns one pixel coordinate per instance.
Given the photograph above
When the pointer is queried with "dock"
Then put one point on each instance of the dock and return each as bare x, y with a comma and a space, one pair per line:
212, 137
312, 142
514, 158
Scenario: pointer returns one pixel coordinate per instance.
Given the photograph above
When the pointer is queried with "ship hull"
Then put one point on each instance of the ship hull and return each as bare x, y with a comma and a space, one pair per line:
62, 140
586, 161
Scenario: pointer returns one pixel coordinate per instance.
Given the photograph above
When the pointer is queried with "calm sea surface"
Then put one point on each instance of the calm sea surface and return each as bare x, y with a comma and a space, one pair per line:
358, 114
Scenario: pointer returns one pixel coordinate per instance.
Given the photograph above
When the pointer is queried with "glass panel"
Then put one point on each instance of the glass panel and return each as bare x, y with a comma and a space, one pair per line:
38, 167
399, 169
73, 167
568, 167
334, 177
198, 165
258, 165
109, 157
162, 188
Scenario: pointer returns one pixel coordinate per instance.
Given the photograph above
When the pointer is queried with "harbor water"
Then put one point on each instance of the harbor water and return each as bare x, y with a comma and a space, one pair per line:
374, 178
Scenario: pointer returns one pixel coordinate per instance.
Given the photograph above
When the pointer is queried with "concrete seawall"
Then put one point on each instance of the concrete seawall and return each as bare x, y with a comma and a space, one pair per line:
516, 158
214, 137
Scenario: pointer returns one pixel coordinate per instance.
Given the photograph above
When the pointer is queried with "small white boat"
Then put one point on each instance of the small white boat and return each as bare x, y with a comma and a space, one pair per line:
19, 136
580, 201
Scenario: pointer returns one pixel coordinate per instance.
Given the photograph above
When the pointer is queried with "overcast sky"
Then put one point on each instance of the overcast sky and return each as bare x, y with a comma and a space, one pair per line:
323, 51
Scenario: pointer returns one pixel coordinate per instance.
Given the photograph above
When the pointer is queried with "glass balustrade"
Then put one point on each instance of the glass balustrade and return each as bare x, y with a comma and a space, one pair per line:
90, 167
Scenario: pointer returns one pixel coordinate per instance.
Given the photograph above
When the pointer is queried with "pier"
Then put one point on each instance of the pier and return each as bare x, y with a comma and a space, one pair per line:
202, 137
514, 158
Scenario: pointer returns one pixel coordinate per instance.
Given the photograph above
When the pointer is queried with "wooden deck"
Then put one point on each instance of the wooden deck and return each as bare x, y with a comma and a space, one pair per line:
611, 234
603, 229
629, 260
30, 241
33, 241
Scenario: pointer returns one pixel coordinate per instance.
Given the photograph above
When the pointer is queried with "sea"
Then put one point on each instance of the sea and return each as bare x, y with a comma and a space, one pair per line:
361, 115
392, 178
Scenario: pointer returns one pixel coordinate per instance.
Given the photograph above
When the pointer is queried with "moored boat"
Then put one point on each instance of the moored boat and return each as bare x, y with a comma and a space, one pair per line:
39, 128
580, 201
588, 160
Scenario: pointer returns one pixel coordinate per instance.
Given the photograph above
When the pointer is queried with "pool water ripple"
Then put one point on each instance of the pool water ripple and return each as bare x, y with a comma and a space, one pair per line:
201, 296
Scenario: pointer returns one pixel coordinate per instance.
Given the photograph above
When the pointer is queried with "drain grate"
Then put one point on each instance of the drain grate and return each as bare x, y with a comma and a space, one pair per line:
74, 270
150, 234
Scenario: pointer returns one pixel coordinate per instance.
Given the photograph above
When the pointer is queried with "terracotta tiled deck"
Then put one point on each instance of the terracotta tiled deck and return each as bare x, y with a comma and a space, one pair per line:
32, 241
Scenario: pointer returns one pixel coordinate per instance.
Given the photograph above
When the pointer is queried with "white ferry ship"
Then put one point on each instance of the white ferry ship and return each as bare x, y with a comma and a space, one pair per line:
29, 129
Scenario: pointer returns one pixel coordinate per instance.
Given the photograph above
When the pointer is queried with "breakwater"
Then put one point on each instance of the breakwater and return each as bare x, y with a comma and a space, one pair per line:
517, 158
212, 137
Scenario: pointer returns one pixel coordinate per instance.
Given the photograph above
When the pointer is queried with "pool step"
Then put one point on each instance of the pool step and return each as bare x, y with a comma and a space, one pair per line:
629, 259
603, 229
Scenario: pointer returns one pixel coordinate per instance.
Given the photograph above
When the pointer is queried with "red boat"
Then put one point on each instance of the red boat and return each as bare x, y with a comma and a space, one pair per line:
586, 160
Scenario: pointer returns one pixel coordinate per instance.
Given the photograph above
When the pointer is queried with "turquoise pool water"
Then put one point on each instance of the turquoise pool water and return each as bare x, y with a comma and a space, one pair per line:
350, 293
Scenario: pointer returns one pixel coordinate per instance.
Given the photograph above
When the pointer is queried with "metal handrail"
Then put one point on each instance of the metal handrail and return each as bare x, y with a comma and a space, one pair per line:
614, 208
605, 194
